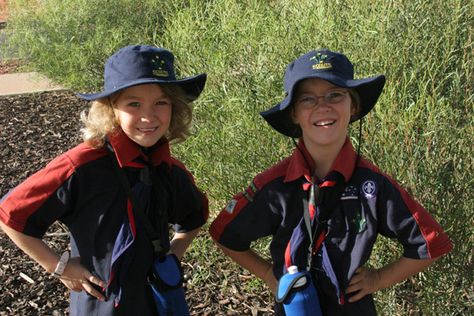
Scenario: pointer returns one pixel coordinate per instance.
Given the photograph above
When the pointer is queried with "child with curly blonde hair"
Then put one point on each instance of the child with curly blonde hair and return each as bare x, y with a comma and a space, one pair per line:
116, 187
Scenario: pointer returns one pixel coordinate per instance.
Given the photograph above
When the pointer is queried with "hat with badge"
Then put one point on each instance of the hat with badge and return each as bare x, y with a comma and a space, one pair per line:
141, 64
330, 66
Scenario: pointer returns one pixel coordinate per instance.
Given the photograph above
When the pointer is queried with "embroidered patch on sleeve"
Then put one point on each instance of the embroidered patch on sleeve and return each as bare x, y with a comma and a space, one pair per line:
253, 187
249, 193
247, 196
229, 208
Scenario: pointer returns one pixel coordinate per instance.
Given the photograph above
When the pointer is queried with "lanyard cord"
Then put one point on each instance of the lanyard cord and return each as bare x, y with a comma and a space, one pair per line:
313, 196
313, 193
307, 222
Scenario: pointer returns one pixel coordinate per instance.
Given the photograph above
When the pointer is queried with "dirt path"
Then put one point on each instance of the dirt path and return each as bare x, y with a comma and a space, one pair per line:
3, 10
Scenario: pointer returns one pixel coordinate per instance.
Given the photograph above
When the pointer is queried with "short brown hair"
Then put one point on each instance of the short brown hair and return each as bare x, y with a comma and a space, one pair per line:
355, 104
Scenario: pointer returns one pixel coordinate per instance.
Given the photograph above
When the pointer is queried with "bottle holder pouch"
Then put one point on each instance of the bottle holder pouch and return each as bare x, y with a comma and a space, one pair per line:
286, 286
166, 284
167, 273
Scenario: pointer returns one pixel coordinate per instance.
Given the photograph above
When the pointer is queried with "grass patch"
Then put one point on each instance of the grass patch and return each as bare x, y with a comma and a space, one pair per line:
420, 131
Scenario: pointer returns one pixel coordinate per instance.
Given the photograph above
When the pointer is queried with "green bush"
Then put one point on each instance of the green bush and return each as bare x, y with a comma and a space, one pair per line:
421, 131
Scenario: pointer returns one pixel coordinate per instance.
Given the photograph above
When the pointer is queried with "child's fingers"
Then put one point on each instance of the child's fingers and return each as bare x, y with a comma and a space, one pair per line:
357, 284
362, 283
83, 285
92, 291
357, 296
358, 276
75, 286
357, 291
93, 279
77, 278
354, 287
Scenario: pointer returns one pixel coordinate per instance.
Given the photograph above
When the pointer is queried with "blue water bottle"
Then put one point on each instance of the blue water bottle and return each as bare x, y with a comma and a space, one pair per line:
167, 287
298, 294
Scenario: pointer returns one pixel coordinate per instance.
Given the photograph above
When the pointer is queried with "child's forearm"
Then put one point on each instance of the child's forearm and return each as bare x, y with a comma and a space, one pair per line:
366, 280
255, 264
75, 276
181, 242
400, 270
33, 247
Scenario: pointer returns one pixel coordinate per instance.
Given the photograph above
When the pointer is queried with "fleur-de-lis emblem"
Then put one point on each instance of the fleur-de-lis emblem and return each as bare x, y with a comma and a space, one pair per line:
369, 188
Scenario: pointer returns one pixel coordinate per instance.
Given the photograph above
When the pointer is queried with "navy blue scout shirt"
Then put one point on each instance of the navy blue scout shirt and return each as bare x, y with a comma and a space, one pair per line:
371, 204
81, 189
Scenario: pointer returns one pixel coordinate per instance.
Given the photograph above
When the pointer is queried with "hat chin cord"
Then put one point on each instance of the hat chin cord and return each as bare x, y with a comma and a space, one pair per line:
302, 153
359, 145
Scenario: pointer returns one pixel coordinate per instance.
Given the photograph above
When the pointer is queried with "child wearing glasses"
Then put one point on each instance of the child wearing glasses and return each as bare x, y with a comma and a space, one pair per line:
118, 191
324, 205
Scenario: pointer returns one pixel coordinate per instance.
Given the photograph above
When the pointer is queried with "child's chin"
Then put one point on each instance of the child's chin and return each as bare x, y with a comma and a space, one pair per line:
146, 143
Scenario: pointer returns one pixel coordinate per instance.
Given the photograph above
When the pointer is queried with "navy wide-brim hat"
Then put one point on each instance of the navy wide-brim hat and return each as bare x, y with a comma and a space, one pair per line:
330, 66
142, 64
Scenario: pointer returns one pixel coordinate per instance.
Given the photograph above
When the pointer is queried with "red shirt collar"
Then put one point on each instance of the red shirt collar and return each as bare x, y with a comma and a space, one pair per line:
127, 151
299, 160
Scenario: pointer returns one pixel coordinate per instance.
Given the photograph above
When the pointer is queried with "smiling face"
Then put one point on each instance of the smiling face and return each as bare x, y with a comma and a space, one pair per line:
323, 111
144, 113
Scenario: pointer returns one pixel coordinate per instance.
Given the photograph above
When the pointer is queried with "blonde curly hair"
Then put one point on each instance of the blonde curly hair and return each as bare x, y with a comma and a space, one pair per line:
100, 119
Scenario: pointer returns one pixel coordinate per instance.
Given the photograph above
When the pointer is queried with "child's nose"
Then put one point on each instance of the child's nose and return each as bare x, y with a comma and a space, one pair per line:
323, 106
148, 114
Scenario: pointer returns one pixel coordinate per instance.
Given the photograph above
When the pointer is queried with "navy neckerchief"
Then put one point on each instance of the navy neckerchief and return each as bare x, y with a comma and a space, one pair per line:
149, 203
308, 236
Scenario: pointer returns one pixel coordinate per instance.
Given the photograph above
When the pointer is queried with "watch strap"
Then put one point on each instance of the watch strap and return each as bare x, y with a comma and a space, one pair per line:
62, 263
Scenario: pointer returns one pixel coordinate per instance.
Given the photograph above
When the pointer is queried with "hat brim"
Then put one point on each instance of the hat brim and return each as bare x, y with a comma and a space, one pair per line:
192, 86
368, 89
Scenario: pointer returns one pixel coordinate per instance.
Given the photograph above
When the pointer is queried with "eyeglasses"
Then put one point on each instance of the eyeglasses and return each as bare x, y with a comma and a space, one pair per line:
309, 101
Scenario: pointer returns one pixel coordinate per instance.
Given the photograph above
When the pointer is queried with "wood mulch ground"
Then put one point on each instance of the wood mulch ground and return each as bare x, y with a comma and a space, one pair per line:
10, 66
33, 130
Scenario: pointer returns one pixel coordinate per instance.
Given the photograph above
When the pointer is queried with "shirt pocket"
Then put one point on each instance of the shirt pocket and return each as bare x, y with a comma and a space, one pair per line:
337, 226
356, 217
348, 220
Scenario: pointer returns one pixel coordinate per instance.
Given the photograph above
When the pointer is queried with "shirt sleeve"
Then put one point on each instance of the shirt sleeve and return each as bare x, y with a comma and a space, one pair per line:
40, 200
191, 208
248, 216
403, 218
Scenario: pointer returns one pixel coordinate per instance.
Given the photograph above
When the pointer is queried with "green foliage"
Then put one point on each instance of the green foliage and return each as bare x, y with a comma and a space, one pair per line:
421, 131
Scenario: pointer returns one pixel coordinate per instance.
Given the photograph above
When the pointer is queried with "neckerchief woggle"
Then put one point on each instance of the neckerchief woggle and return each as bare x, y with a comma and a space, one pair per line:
308, 236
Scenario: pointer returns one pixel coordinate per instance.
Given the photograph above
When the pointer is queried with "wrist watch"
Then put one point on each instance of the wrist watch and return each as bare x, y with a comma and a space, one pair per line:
62, 263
